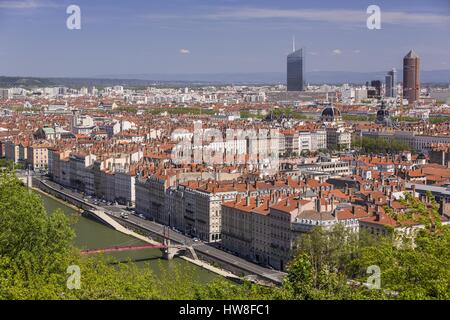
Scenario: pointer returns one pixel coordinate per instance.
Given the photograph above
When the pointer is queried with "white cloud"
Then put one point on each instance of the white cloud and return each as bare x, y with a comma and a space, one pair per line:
25, 4
337, 51
333, 15
184, 51
357, 51
344, 17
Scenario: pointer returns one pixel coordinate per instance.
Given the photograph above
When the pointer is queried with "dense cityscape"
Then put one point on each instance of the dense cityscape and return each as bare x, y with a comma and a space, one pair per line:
242, 181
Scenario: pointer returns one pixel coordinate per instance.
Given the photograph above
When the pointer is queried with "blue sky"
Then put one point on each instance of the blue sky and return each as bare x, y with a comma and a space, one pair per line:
209, 36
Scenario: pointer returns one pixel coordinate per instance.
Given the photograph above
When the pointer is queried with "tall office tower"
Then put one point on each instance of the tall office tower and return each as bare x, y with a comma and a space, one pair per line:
295, 69
411, 77
377, 85
391, 82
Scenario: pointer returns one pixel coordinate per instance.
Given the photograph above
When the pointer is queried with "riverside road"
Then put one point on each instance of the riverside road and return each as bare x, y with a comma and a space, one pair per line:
199, 246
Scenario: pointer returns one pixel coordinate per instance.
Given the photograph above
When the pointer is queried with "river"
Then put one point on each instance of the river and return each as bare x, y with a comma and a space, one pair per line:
92, 235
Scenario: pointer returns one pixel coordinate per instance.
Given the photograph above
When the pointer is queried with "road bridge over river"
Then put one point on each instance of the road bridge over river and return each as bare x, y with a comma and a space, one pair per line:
206, 252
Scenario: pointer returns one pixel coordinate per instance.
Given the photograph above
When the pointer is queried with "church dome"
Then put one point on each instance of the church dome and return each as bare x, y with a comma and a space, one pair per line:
421, 156
330, 114
383, 113
383, 116
331, 111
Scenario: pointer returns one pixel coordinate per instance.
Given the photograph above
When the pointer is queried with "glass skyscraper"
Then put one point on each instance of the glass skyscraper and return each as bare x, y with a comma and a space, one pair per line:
391, 82
295, 71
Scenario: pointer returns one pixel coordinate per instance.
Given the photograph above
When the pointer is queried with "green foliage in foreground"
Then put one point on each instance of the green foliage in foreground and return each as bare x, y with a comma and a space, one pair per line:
9, 165
325, 260
36, 249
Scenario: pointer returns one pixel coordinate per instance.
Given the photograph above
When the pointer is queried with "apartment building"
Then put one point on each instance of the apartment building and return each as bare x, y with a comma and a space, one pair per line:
23, 153
312, 140
291, 142
37, 156
238, 231
304, 141
12, 151
318, 140
81, 177
192, 203
321, 169
56, 160
107, 177
150, 197
264, 229
202, 210
197, 207
6, 94
338, 138
124, 187
154, 193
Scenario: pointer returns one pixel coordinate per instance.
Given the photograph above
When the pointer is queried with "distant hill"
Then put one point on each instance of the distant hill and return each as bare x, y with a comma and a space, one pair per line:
32, 82
313, 77
177, 80
7, 82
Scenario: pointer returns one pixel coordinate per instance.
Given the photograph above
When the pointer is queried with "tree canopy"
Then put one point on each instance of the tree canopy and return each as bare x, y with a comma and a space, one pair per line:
379, 145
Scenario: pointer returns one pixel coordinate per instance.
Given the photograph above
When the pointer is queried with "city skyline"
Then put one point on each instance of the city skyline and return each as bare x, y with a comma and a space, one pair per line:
187, 151
199, 37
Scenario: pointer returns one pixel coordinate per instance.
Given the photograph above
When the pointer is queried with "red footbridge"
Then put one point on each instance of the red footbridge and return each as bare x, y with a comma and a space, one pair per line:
124, 248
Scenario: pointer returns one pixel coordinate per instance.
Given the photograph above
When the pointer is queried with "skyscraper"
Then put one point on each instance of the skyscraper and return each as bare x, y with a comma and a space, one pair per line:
295, 70
377, 85
411, 77
391, 82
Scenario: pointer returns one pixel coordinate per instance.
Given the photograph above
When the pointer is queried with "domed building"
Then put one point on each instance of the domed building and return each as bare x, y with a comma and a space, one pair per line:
421, 159
383, 116
338, 137
331, 114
